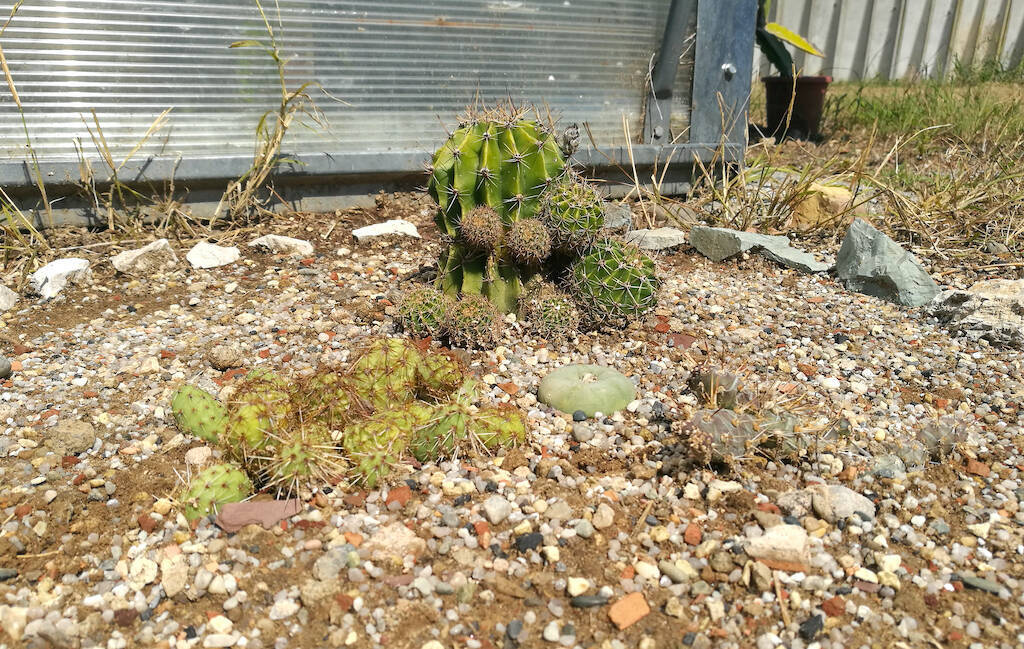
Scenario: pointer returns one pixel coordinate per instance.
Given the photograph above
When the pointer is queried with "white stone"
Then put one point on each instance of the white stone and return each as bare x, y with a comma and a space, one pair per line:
220, 640
890, 562
648, 571
781, 543
836, 502
209, 255
279, 245
604, 517
992, 309
980, 529
198, 455
142, 572
13, 620
866, 575
497, 509
395, 542
391, 226
220, 624
173, 575
283, 608
51, 279
8, 298
577, 586
656, 239
145, 260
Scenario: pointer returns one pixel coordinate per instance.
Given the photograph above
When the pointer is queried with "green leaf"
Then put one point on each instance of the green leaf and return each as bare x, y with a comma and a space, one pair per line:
246, 44
791, 37
775, 52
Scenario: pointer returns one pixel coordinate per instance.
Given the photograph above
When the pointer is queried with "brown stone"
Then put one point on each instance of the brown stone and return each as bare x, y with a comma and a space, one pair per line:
125, 616
400, 495
693, 534
978, 468
629, 610
834, 607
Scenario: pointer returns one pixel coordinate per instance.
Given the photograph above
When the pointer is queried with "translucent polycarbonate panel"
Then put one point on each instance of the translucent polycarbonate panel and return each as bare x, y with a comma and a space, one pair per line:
387, 74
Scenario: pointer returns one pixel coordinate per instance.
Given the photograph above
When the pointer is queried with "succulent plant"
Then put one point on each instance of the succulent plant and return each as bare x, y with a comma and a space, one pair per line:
259, 407
197, 412
941, 436
438, 375
376, 444
574, 212
614, 282
482, 228
589, 388
473, 321
214, 486
421, 311
497, 427
303, 456
548, 312
714, 387
529, 242
384, 372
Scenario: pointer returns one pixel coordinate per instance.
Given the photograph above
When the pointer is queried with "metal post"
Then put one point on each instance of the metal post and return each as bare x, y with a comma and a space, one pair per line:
663, 76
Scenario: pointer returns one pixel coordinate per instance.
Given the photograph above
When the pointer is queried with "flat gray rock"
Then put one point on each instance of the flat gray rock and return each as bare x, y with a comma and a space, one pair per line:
718, 244
992, 309
836, 502
141, 261
51, 279
657, 239
870, 262
617, 217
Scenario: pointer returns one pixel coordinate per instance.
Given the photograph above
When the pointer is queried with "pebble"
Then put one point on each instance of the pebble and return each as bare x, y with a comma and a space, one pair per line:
497, 509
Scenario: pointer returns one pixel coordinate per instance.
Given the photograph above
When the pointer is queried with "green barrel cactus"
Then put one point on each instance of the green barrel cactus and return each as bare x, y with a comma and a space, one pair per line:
574, 212
501, 160
614, 282
198, 413
214, 486
547, 312
421, 311
589, 388
474, 321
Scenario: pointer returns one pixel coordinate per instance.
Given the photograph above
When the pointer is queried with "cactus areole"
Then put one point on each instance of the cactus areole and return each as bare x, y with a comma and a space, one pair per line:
499, 159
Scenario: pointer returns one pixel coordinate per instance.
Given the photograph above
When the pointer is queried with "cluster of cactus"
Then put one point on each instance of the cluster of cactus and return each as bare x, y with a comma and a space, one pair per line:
394, 400
511, 210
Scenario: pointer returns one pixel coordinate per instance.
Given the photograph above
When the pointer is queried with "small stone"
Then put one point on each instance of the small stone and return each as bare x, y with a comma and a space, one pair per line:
5, 367
786, 543
656, 239
8, 298
577, 586
220, 624
224, 357
142, 571
579, 415
551, 631
329, 565
604, 517
588, 601
280, 245
283, 608
693, 534
836, 502
198, 456
627, 611
214, 640
530, 541
584, 529
74, 436
978, 583
173, 575
870, 262
811, 627
208, 255
395, 541
497, 509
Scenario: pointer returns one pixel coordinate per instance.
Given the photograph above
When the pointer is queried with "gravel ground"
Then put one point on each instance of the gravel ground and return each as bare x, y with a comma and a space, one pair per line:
593, 535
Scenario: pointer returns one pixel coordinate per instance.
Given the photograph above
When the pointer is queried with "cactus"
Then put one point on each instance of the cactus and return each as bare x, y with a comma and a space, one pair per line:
212, 487
499, 159
329, 397
714, 387
589, 388
438, 375
498, 427
301, 458
482, 228
197, 412
421, 311
529, 242
549, 313
377, 443
260, 406
941, 436
574, 212
384, 372
473, 321
614, 282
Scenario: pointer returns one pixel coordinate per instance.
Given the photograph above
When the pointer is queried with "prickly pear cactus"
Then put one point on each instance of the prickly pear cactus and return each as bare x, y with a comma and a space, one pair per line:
498, 427
384, 372
614, 282
197, 412
438, 375
499, 159
303, 457
574, 212
258, 410
214, 486
376, 444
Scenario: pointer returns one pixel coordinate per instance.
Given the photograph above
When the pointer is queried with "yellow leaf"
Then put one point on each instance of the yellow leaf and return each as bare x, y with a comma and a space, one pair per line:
791, 37
246, 44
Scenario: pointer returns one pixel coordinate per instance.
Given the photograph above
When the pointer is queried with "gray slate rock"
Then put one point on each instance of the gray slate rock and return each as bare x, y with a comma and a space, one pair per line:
617, 217
992, 309
8, 298
657, 239
979, 583
870, 262
51, 279
718, 244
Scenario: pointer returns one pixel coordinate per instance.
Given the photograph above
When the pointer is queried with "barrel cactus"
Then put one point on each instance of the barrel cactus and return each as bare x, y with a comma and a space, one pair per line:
574, 212
615, 282
421, 311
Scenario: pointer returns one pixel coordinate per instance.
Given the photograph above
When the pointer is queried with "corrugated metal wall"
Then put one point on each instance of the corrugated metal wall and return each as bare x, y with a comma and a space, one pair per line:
902, 39
402, 68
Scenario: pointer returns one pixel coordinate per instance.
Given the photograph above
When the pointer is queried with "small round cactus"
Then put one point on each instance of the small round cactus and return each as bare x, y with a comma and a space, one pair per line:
574, 212
549, 313
421, 311
614, 282
482, 228
473, 321
589, 388
529, 242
